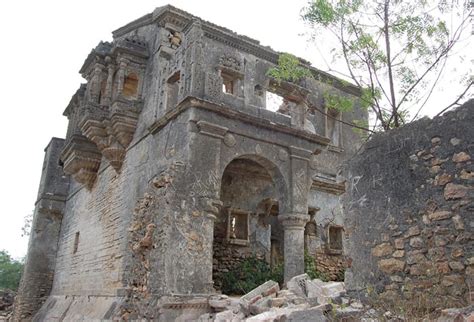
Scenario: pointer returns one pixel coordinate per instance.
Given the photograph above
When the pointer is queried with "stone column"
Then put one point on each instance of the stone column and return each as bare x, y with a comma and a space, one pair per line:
110, 78
95, 83
295, 218
38, 273
121, 75
206, 179
293, 228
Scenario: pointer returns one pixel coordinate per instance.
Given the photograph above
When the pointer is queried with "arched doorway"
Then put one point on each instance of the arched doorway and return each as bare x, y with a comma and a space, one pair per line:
250, 193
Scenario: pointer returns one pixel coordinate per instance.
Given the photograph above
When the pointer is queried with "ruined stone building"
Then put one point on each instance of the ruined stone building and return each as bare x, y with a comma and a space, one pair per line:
175, 166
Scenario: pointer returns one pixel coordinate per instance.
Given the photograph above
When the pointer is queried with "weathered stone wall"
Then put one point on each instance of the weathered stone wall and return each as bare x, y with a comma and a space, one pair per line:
37, 278
409, 211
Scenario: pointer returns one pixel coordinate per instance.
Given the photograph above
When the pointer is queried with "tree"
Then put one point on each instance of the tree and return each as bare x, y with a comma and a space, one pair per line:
395, 50
10, 271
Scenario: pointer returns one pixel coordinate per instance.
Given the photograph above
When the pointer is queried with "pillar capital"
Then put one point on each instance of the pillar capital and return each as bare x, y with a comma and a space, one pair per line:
293, 220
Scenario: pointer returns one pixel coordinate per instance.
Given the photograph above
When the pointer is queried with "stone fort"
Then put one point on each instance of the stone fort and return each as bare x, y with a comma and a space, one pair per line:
176, 165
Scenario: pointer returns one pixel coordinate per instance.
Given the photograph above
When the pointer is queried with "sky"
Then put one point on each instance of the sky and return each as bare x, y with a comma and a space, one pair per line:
44, 45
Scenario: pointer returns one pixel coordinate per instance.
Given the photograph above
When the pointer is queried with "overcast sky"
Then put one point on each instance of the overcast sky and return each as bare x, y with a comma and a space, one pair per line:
44, 43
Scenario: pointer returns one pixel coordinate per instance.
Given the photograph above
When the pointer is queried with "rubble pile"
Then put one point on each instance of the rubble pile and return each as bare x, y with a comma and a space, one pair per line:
7, 298
304, 299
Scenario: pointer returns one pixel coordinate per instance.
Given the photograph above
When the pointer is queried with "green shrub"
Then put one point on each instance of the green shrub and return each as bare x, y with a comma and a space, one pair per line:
249, 274
253, 272
311, 269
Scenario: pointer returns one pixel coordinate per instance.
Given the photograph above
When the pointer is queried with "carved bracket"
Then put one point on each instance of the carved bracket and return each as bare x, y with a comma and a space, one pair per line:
211, 129
81, 160
111, 133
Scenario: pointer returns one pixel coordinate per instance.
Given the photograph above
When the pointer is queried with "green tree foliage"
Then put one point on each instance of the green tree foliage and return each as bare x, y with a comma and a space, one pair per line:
288, 69
395, 50
10, 271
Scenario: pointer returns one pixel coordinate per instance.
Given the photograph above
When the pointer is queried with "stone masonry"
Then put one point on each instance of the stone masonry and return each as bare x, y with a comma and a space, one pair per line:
409, 212
174, 161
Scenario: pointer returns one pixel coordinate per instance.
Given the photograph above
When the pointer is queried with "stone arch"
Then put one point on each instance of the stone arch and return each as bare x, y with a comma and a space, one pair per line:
275, 172
241, 229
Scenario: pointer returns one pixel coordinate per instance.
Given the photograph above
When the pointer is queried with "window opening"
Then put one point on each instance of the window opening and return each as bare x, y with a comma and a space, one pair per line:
76, 243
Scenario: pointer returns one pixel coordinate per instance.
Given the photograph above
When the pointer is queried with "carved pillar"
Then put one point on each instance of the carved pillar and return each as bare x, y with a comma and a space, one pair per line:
295, 219
95, 83
204, 180
38, 273
293, 228
123, 63
109, 84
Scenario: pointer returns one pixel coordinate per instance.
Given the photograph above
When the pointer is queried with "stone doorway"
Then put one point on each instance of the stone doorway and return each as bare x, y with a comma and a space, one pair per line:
242, 229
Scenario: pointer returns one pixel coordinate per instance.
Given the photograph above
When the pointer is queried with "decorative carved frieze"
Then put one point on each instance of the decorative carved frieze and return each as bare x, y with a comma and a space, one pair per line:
81, 160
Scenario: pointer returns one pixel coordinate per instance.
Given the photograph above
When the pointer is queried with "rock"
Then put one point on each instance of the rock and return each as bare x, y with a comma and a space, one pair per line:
298, 285
400, 243
398, 253
227, 315
219, 302
416, 242
451, 280
456, 266
435, 140
277, 301
381, 250
260, 306
457, 314
391, 265
257, 293
466, 175
454, 191
440, 215
461, 157
458, 223
314, 288
413, 231
311, 314
455, 141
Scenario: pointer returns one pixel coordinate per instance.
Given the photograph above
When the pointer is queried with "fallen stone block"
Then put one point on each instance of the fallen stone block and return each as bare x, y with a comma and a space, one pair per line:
255, 295
298, 285
219, 302
260, 306
312, 314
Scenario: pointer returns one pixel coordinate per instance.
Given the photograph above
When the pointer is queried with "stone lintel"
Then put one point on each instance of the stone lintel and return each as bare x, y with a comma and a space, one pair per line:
336, 188
299, 153
211, 129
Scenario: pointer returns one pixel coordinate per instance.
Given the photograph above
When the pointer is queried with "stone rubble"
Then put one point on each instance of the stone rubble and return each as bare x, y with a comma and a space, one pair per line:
7, 298
304, 299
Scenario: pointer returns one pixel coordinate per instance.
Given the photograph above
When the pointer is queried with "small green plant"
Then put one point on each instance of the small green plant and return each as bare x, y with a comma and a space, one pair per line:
249, 274
311, 269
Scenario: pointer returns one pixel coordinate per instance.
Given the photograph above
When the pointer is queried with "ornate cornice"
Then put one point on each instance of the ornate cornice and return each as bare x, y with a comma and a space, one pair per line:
183, 19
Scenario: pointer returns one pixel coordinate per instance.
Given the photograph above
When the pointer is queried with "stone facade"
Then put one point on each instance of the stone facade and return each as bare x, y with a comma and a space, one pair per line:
172, 164
409, 212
